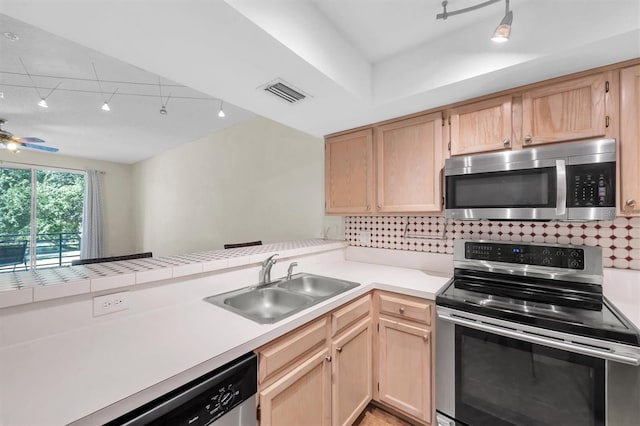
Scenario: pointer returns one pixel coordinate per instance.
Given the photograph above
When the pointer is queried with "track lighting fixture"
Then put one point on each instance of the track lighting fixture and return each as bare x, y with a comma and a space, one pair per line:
502, 32
106, 96
163, 108
105, 105
43, 99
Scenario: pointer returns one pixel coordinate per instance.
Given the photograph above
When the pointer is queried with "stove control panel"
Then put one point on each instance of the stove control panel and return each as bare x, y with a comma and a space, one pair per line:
524, 254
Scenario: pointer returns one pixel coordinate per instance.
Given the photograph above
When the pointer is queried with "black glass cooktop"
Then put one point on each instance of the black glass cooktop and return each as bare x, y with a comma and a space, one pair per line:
570, 307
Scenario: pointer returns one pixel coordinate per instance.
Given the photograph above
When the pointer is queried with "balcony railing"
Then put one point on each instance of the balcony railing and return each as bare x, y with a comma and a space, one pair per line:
52, 249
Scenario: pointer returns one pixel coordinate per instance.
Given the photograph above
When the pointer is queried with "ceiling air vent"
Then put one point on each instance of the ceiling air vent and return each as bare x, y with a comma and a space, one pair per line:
285, 92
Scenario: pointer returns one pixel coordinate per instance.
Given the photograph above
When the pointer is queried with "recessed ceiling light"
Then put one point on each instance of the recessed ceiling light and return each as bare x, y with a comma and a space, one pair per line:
11, 36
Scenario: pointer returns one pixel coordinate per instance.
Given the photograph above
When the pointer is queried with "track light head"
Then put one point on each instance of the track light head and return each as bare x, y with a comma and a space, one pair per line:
221, 113
105, 106
163, 110
43, 103
503, 31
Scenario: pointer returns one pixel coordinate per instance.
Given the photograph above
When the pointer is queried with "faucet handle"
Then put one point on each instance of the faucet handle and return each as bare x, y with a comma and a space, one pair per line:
290, 270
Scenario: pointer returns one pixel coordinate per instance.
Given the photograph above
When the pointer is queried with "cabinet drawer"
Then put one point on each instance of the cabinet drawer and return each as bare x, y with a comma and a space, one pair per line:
404, 307
275, 356
344, 317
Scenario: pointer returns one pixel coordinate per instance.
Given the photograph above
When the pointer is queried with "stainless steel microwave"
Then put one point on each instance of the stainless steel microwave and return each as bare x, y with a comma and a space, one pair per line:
568, 181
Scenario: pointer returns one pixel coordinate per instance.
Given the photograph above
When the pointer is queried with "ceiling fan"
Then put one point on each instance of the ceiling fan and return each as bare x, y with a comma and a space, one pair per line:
13, 143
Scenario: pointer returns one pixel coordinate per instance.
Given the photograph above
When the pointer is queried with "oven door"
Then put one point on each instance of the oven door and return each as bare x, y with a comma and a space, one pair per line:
526, 190
501, 381
489, 379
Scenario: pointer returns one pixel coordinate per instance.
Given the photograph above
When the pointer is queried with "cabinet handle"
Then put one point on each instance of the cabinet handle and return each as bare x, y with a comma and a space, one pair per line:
401, 309
379, 206
528, 139
368, 207
328, 358
506, 142
338, 350
426, 338
630, 203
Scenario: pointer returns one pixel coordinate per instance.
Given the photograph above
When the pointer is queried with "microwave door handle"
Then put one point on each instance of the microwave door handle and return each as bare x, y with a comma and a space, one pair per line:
561, 188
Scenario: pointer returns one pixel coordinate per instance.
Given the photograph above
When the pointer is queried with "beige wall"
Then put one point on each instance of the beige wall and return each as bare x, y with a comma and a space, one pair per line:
116, 187
258, 180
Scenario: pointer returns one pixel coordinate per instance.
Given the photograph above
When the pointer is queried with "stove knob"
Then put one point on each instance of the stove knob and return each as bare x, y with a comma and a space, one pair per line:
574, 264
546, 261
546, 252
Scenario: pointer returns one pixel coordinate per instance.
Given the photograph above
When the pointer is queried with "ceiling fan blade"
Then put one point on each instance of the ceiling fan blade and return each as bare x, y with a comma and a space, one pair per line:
27, 140
40, 147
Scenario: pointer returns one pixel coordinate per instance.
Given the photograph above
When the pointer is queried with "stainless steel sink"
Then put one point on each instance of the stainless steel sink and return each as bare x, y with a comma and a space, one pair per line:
315, 286
270, 303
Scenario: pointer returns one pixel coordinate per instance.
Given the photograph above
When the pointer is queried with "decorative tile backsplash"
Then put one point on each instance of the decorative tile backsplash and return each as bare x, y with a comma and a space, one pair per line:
619, 239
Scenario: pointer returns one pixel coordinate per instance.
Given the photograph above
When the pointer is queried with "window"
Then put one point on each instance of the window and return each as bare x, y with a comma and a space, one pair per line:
42, 207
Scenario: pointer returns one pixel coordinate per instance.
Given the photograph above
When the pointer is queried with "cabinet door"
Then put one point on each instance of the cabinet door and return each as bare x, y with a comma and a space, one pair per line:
409, 159
630, 141
482, 126
352, 373
301, 397
349, 173
565, 111
404, 368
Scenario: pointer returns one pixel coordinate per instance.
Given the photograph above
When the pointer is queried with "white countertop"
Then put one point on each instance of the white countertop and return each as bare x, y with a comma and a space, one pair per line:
77, 368
63, 377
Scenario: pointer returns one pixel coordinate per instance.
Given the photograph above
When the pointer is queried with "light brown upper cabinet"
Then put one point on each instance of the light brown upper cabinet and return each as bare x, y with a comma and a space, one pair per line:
349, 173
409, 159
630, 141
481, 126
565, 111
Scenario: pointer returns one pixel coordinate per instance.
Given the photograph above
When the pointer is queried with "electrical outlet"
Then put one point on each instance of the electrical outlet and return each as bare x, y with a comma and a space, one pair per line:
365, 237
109, 303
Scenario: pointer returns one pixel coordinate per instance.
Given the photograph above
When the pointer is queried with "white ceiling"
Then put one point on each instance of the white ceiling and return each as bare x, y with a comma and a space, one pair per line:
360, 61
133, 130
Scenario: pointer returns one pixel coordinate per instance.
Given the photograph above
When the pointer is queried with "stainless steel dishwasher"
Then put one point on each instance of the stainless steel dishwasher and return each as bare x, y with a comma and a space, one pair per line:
223, 397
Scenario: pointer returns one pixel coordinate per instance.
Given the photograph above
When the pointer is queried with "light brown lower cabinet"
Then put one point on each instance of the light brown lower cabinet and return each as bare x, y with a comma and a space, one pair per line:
352, 373
323, 373
404, 368
300, 397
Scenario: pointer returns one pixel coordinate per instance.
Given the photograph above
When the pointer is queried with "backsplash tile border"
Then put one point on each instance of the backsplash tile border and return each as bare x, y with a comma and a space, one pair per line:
619, 238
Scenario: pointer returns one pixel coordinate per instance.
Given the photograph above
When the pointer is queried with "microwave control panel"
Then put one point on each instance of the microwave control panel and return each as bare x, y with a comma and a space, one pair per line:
556, 257
591, 185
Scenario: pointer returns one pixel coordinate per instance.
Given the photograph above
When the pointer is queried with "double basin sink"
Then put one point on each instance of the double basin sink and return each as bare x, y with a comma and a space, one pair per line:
279, 299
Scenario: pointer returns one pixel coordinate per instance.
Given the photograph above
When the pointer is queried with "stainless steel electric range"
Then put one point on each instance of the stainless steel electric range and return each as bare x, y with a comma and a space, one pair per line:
526, 337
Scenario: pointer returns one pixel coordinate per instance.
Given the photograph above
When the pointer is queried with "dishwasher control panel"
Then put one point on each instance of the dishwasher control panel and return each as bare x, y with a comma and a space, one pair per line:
202, 401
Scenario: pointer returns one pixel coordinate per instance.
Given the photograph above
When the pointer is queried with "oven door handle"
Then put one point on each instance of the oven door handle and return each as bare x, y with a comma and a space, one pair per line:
554, 343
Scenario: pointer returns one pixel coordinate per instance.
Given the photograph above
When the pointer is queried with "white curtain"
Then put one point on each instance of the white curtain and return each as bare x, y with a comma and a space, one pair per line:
91, 243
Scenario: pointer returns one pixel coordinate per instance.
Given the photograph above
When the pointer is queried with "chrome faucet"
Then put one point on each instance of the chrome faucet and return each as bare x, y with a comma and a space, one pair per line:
290, 270
265, 272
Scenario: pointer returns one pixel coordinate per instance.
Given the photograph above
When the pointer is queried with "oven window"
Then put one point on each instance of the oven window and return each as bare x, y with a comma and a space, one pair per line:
517, 188
503, 381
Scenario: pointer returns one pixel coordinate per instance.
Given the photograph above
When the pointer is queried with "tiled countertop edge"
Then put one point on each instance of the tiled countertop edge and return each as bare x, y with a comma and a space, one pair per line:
24, 287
